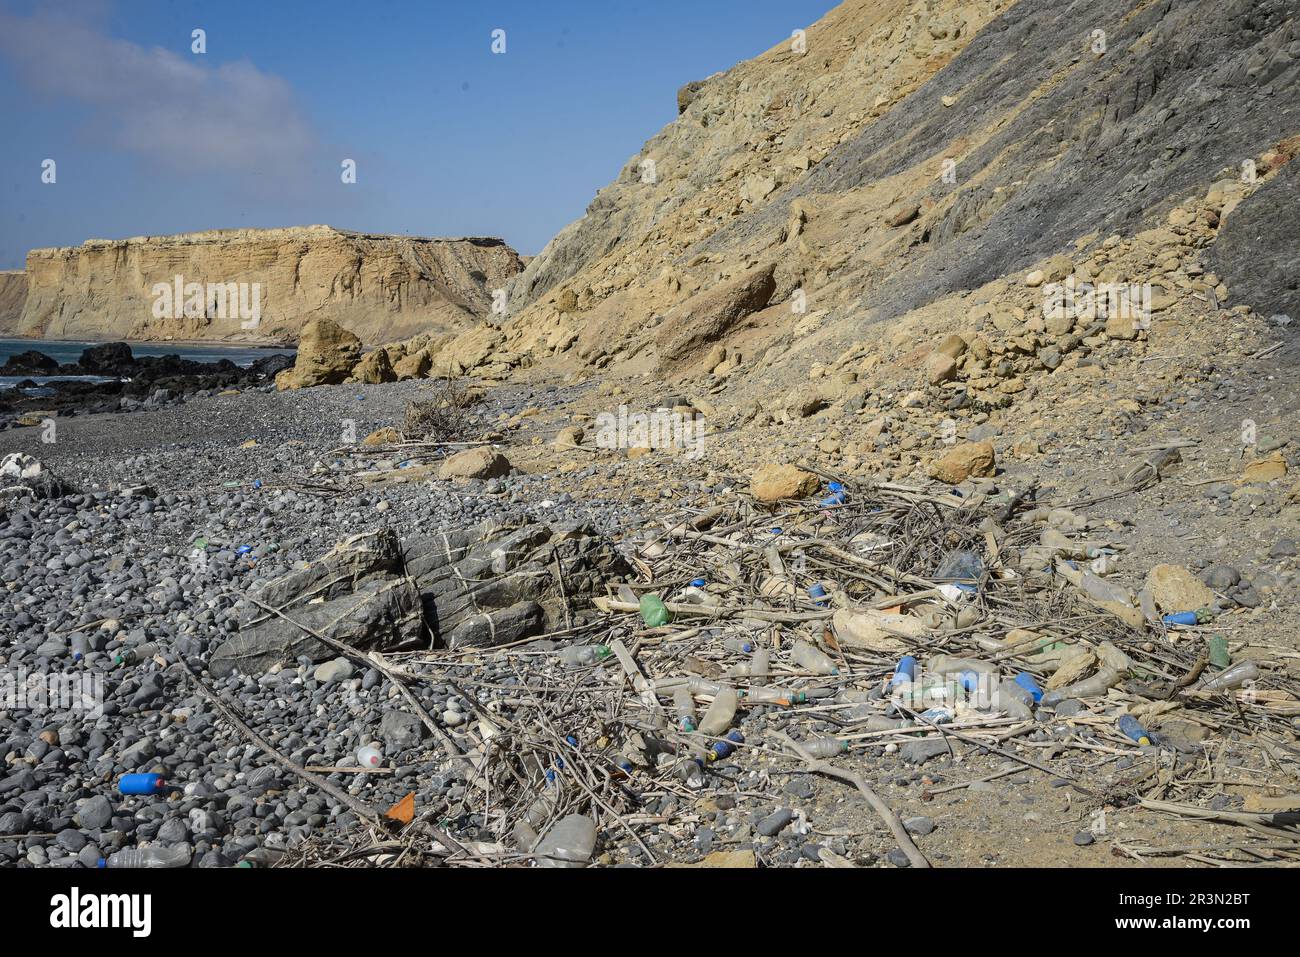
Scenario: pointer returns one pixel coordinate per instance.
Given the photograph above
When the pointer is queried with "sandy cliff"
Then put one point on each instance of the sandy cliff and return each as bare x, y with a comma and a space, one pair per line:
381, 287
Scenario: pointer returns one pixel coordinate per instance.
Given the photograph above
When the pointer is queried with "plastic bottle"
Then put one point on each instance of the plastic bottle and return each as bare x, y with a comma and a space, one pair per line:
825, 747
719, 714
1130, 728
818, 594
738, 645
1098, 684
695, 684
760, 665
838, 495
1015, 699
905, 673
1026, 681
576, 656
726, 747
812, 659
370, 756
141, 784
1234, 677
129, 656
684, 707
654, 613
1180, 618
1219, 656
149, 857
569, 842
762, 695
80, 647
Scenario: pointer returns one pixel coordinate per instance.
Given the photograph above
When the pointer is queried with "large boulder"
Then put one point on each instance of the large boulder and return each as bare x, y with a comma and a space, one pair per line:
480, 463
963, 461
482, 586
374, 368
775, 482
708, 316
327, 354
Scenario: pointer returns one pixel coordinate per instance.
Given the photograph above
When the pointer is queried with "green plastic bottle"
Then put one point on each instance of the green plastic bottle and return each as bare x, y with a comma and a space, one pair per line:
654, 613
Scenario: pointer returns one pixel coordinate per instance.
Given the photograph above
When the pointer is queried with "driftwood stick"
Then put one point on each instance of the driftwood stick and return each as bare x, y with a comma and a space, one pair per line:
883, 810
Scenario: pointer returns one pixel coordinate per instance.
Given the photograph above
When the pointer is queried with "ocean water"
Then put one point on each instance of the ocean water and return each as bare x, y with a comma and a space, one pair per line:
63, 352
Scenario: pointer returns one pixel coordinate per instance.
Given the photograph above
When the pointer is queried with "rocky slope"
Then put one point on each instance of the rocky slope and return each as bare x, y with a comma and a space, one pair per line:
381, 287
914, 151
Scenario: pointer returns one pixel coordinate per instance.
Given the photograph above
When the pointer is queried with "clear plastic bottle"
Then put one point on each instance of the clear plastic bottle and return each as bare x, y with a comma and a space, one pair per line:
654, 613
765, 695
684, 708
129, 656
569, 842
718, 717
760, 665
825, 747
812, 659
577, 656
150, 857
1098, 684
1234, 677
738, 645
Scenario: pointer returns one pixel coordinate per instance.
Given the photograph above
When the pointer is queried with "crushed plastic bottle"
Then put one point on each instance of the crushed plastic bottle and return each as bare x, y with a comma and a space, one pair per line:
1219, 656
838, 495
825, 747
577, 656
812, 659
569, 842
718, 717
152, 857
654, 613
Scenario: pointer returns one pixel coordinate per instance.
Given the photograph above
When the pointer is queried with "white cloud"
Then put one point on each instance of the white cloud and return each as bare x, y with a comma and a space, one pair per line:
177, 110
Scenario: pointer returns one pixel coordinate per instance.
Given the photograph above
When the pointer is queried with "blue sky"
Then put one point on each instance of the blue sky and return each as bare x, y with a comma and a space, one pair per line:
448, 137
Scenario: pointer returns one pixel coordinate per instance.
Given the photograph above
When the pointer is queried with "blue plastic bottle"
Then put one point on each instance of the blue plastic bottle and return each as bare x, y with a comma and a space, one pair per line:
837, 497
818, 594
1181, 618
1131, 729
727, 747
1026, 681
141, 784
905, 672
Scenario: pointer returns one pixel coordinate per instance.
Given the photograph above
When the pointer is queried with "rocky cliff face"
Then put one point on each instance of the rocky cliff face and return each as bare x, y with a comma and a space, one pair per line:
912, 152
260, 285
13, 294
